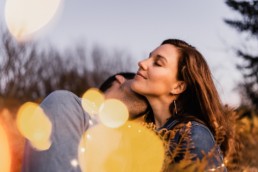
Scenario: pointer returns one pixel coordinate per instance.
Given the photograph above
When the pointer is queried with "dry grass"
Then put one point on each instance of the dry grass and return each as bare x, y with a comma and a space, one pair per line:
248, 134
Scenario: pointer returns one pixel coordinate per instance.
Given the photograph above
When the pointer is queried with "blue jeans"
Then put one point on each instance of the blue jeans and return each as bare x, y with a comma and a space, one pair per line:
69, 122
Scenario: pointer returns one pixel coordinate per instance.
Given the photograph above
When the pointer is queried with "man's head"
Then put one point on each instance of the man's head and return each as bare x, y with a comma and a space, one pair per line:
118, 86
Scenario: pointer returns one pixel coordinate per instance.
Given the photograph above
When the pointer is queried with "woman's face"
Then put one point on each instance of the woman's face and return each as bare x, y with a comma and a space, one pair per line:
157, 75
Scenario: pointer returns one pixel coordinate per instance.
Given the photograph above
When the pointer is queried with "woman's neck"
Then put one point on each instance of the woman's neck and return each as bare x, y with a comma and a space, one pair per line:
160, 108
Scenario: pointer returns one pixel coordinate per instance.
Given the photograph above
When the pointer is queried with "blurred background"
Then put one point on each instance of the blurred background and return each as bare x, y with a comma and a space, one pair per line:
75, 45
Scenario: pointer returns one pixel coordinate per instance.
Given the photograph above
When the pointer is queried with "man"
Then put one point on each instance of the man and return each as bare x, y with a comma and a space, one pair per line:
70, 121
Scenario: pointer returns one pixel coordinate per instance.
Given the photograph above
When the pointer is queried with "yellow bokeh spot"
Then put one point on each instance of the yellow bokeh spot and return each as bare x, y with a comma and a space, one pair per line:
131, 147
113, 113
5, 156
24, 17
91, 101
34, 125
41, 145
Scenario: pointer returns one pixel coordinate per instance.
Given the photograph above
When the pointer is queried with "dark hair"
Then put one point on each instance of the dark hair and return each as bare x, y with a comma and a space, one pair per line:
108, 82
200, 99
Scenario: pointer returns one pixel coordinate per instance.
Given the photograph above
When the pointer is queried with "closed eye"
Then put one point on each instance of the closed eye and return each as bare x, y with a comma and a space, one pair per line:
157, 63
158, 60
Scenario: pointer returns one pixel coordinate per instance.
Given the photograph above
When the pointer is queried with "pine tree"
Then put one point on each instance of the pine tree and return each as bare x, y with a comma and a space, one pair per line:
248, 24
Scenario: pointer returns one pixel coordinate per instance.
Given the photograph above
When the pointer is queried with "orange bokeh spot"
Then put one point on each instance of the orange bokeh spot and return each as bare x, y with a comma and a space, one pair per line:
5, 156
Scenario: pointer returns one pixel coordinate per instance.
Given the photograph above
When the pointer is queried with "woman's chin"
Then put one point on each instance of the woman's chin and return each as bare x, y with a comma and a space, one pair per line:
136, 87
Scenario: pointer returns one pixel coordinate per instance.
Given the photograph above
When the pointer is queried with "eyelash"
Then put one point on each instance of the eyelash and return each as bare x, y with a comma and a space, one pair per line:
157, 64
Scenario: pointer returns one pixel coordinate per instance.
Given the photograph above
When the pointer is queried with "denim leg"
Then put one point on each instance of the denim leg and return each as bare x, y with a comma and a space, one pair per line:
69, 122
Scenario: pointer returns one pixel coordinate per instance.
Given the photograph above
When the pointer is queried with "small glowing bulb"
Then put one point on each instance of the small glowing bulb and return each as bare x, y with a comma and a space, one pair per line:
74, 163
82, 149
88, 136
90, 122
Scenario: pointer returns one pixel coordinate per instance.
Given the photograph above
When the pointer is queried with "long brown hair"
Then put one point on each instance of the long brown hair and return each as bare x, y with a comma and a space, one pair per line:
200, 99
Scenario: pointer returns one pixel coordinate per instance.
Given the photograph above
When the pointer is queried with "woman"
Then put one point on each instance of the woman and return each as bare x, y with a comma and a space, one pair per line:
178, 84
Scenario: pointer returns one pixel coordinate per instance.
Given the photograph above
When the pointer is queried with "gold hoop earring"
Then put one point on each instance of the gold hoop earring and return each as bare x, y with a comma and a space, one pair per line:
175, 106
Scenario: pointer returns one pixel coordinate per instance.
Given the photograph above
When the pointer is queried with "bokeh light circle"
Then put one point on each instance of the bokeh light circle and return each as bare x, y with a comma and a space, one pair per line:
24, 17
105, 149
34, 125
113, 113
91, 101
41, 145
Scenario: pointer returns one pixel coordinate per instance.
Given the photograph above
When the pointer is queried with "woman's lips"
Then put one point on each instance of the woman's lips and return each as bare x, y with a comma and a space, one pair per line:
139, 74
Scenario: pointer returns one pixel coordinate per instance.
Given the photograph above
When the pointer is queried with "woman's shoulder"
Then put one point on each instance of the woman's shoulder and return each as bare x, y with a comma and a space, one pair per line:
201, 133
200, 136
198, 131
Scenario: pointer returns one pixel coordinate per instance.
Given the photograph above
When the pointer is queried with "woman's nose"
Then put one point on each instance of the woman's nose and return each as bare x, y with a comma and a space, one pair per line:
142, 64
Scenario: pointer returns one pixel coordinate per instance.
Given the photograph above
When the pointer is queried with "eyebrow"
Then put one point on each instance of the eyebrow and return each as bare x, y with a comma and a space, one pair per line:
158, 56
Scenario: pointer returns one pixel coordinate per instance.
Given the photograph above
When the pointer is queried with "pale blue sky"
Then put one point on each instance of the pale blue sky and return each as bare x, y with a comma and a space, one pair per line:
139, 26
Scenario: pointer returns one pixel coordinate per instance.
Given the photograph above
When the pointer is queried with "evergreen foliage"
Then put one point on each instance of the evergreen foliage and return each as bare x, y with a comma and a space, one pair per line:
247, 23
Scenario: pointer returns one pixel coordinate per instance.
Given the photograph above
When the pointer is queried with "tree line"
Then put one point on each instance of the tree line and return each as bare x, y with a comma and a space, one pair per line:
30, 71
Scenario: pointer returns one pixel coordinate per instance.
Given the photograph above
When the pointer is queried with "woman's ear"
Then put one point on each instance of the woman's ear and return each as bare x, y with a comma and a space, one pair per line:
120, 79
179, 87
